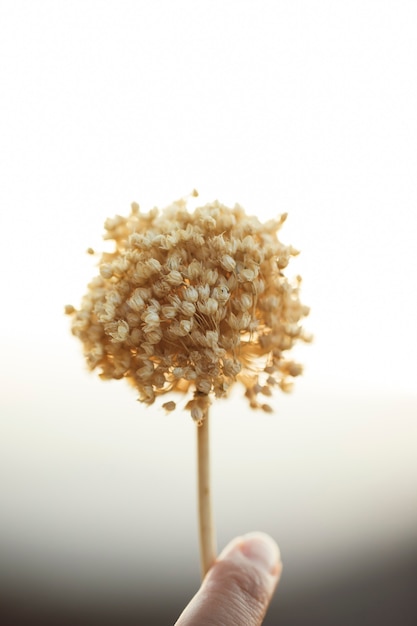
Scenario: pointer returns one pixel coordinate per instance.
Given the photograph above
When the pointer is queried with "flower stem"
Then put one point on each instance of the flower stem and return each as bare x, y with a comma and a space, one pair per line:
208, 549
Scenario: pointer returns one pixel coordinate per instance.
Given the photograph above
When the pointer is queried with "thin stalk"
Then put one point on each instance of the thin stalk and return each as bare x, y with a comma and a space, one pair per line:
208, 550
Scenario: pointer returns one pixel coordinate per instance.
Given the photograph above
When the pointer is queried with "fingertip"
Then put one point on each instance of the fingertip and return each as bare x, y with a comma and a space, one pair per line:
239, 586
259, 548
262, 550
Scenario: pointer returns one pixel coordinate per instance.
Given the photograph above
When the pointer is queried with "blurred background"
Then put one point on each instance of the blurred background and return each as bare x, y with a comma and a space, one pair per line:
300, 107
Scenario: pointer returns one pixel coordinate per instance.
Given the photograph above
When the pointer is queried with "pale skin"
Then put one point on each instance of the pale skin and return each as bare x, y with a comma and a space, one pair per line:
239, 586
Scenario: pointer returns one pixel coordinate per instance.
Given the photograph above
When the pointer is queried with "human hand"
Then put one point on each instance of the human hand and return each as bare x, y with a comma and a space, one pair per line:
238, 588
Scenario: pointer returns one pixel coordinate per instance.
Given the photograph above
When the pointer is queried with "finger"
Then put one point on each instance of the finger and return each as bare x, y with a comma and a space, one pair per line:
238, 588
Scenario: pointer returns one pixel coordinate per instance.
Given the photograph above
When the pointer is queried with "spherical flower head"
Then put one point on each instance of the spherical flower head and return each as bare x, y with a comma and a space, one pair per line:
193, 301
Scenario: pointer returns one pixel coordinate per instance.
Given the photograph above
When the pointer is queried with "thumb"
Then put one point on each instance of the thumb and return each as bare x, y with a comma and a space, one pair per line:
239, 586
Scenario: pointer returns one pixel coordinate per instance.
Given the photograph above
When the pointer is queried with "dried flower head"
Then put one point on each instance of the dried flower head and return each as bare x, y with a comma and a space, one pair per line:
193, 302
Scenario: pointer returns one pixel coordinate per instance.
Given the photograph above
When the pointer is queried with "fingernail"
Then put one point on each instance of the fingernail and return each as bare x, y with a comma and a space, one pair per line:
261, 550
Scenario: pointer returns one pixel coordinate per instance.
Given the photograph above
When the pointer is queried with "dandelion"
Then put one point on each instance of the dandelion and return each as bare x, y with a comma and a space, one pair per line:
192, 303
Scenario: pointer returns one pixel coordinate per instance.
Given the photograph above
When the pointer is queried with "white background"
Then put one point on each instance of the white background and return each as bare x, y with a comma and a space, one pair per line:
300, 107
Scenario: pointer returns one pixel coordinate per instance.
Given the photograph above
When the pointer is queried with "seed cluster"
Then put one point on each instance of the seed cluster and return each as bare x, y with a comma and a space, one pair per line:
193, 302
